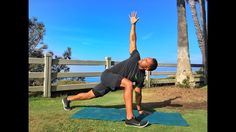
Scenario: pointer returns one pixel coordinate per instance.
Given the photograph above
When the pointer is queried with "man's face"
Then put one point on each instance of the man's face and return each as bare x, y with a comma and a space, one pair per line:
146, 63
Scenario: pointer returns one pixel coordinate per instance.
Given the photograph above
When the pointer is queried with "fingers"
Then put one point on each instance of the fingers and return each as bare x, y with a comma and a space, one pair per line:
147, 112
143, 112
133, 16
133, 13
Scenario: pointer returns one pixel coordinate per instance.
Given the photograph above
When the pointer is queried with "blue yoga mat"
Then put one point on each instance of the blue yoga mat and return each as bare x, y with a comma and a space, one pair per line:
114, 114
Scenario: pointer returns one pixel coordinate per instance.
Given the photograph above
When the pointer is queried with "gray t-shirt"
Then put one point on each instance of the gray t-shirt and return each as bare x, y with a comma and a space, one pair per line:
129, 69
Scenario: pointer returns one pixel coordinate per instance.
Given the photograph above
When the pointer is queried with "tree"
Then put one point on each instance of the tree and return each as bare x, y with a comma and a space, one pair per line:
60, 68
63, 68
202, 33
184, 75
36, 30
35, 42
203, 19
36, 48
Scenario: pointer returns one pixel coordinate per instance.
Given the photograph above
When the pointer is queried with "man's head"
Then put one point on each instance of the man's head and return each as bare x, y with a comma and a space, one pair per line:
149, 64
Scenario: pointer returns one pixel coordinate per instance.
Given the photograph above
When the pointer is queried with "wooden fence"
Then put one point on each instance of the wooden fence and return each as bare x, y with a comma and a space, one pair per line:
47, 61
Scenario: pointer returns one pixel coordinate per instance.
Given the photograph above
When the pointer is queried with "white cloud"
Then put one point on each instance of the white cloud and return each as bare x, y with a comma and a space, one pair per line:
147, 36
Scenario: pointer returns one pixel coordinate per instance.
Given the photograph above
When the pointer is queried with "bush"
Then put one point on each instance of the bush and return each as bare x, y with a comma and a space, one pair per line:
185, 83
65, 82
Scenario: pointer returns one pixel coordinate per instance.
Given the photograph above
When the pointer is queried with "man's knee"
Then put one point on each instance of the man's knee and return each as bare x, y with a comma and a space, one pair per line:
137, 90
126, 83
91, 94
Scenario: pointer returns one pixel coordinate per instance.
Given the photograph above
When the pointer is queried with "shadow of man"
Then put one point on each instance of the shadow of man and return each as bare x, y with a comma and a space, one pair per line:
150, 106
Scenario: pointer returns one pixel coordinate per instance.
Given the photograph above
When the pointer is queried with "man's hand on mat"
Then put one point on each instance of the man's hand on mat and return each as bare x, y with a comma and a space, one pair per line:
144, 112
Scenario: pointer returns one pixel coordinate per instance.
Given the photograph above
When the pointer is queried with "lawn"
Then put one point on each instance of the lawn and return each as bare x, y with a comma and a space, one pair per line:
48, 115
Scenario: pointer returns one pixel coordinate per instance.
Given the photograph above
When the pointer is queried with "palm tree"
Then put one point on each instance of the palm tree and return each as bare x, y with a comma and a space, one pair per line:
203, 18
202, 34
184, 74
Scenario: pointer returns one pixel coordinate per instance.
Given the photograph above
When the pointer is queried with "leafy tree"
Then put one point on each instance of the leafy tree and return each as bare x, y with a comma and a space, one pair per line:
36, 48
63, 68
60, 68
35, 43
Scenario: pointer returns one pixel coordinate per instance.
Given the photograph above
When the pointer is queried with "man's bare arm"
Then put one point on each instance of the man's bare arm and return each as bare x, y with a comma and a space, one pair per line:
133, 21
138, 98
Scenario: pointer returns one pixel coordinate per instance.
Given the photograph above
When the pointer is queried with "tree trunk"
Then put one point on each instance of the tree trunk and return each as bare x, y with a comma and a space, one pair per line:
200, 35
205, 35
184, 75
203, 18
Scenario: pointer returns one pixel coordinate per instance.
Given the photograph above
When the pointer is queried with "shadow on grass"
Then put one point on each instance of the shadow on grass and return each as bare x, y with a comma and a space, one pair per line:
148, 106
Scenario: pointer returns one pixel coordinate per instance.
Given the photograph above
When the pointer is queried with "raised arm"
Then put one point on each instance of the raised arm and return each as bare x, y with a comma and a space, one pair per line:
133, 21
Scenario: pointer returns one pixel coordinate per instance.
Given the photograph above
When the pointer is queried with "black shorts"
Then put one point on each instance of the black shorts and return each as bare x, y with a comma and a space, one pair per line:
109, 82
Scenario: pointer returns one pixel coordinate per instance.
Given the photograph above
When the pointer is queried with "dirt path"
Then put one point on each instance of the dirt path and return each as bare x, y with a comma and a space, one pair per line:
173, 97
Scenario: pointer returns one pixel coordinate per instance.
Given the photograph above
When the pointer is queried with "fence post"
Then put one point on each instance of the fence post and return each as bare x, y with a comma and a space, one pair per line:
47, 75
108, 62
148, 79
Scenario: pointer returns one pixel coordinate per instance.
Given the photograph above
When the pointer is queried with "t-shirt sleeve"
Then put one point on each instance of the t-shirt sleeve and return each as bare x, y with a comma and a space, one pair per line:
141, 83
135, 53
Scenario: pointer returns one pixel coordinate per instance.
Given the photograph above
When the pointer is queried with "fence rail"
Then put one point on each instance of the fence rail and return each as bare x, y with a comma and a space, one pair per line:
47, 76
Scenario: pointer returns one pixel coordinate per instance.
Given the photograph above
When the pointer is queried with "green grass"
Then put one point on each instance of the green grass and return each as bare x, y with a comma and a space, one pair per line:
47, 115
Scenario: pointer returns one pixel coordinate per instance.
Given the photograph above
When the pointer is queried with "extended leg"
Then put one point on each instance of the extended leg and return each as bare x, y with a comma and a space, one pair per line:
81, 96
97, 91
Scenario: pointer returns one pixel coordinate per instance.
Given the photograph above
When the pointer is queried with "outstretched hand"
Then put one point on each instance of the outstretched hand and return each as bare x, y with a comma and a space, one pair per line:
133, 18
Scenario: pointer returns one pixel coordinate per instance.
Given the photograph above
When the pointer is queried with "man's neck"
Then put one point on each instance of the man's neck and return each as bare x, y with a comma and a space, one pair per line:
139, 66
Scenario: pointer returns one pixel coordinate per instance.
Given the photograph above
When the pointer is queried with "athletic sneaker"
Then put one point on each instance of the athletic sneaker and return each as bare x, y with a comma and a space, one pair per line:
66, 104
136, 123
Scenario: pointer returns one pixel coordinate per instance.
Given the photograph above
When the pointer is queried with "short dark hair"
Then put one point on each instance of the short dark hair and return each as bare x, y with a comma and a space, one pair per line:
154, 64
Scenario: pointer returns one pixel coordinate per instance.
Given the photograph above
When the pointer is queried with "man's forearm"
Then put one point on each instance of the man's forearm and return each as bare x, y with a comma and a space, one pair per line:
133, 33
138, 100
132, 38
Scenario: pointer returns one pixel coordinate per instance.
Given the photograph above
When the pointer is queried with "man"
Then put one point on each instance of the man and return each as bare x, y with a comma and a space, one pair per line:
123, 75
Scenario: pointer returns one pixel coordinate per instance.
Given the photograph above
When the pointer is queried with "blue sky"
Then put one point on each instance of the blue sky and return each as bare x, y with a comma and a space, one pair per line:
95, 29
